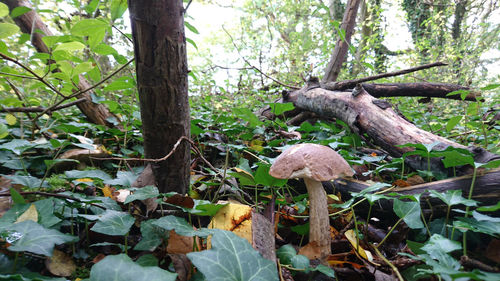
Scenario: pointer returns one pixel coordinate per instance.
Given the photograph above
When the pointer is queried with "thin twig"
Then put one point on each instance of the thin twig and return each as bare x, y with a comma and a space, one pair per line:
393, 267
254, 67
174, 148
41, 109
348, 84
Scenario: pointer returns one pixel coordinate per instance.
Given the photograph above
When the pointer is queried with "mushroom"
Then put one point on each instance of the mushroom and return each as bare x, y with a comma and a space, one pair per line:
314, 163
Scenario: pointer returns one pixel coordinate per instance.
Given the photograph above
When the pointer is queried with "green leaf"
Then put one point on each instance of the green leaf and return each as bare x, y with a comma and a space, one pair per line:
34, 238
247, 115
121, 83
191, 27
4, 130
453, 122
205, 208
45, 208
181, 226
233, 258
438, 244
328, 271
263, 177
8, 29
285, 253
82, 68
124, 178
104, 50
4, 10
19, 11
27, 181
191, 41
96, 174
152, 236
70, 46
122, 268
491, 208
111, 222
409, 212
453, 157
88, 27
490, 87
452, 197
16, 197
300, 262
117, 8
142, 194
279, 108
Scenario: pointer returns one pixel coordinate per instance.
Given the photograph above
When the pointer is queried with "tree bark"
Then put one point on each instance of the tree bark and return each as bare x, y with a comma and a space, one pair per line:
161, 64
31, 21
432, 90
374, 118
338, 56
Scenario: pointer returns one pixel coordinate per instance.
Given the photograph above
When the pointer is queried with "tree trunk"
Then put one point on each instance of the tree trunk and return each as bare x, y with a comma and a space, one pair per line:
29, 23
338, 56
161, 64
374, 118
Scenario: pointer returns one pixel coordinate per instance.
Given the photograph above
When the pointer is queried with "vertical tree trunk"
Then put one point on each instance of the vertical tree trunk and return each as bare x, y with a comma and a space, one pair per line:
339, 53
161, 63
29, 23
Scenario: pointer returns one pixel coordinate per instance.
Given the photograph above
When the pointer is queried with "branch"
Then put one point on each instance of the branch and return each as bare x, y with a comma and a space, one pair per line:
349, 84
41, 109
254, 67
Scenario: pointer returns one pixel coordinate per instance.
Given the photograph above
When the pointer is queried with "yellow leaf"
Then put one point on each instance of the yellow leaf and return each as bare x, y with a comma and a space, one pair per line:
84, 180
354, 242
257, 145
236, 218
107, 191
239, 170
30, 214
10, 119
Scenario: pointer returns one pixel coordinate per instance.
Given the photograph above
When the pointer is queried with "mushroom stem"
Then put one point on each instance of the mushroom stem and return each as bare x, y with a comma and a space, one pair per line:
319, 221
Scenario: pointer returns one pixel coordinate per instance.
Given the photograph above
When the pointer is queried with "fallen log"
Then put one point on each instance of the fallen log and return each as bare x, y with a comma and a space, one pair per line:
368, 116
486, 191
431, 90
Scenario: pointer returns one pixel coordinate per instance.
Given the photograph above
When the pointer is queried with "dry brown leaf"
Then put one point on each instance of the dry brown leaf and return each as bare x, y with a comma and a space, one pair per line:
30, 214
60, 264
311, 250
178, 244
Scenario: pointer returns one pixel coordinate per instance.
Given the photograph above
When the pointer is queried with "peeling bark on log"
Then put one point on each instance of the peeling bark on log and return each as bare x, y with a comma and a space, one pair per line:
486, 190
30, 22
433, 90
365, 114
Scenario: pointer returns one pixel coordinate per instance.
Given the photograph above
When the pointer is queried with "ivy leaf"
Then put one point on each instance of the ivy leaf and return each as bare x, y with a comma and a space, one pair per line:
279, 108
181, 226
262, 177
247, 115
111, 222
152, 236
122, 268
143, 193
234, 258
96, 174
37, 239
438, 244
409, 212
452, 197
123, 178
27, 181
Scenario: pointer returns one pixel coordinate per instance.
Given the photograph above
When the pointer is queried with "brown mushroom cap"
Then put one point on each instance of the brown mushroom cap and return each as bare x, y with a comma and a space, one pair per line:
314, 161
